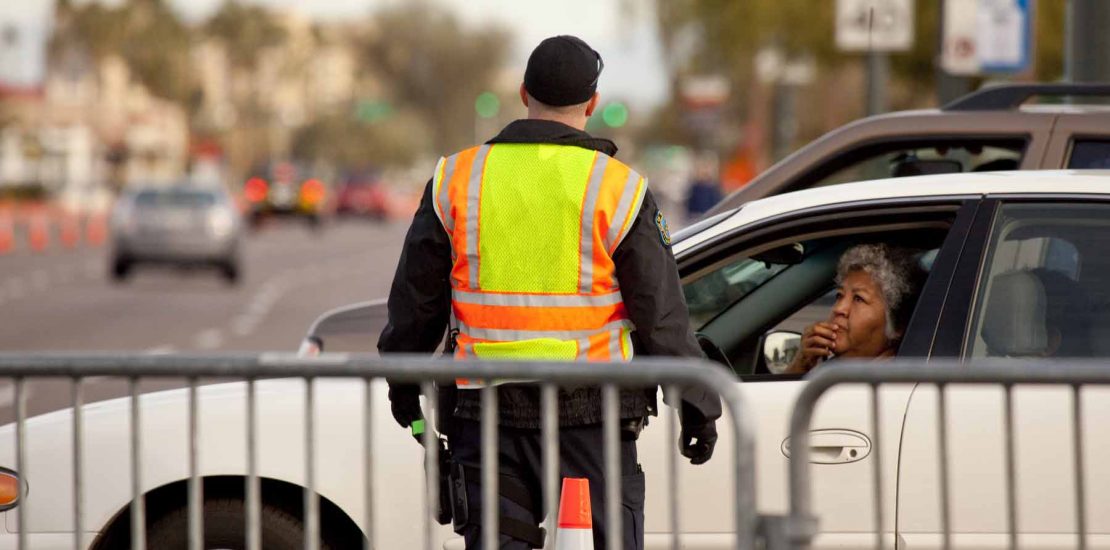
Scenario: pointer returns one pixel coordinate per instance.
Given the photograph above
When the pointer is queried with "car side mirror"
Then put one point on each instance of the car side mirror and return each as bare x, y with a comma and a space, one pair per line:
779, 348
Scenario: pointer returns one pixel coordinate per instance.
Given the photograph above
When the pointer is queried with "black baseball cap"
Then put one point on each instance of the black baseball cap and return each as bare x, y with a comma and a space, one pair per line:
563, 70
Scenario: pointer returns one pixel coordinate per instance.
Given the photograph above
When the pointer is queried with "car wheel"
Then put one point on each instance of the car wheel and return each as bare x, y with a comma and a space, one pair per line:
230, 271
121, 268
224, 527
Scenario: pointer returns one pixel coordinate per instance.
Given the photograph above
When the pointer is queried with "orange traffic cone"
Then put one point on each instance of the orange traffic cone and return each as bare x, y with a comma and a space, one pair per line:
96, 229
71, 232
39, 232
7, 232
576, 526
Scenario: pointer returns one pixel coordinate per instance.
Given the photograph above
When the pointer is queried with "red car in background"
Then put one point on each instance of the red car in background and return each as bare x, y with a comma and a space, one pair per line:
362, 195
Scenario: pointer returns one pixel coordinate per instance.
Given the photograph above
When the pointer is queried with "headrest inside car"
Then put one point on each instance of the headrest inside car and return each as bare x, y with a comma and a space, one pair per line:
1014, 322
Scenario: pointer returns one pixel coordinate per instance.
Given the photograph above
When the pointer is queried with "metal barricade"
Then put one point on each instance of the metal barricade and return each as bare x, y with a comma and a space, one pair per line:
800, 527
198, 370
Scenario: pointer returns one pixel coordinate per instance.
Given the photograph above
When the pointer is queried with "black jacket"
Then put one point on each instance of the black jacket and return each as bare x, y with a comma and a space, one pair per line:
420, 301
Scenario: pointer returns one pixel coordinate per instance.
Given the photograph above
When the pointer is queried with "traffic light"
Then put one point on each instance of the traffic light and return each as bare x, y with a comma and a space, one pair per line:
487, 105
373, 111
615, 114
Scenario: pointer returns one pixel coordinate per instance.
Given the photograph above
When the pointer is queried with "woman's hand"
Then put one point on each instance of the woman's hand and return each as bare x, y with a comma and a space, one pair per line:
818, 342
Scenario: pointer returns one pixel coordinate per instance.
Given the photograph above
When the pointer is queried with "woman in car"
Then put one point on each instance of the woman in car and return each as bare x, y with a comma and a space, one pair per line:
877, 286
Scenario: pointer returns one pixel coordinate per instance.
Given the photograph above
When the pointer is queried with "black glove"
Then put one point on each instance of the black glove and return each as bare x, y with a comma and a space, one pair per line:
698, 435
404, 402
701, 450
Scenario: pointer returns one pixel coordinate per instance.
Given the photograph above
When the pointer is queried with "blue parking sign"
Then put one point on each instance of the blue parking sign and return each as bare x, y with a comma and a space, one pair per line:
1004, 40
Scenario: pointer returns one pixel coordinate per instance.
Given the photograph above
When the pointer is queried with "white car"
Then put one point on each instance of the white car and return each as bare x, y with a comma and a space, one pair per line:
762, 269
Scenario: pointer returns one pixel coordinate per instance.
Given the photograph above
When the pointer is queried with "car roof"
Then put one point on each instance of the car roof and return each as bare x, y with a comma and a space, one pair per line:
1055, 182
1035, 109
925, 125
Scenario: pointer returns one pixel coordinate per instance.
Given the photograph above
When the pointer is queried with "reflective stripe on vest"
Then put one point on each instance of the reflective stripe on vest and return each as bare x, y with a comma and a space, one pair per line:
533, 228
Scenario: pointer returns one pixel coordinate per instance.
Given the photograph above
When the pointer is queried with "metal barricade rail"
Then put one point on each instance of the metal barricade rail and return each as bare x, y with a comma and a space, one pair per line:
251, 368
801, 526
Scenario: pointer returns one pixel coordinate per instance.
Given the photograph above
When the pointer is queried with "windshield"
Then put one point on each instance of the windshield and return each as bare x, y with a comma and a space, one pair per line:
176, 198
715, 292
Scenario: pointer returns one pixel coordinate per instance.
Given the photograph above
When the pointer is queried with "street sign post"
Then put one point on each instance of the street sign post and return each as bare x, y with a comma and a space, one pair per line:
986, 36
876, 27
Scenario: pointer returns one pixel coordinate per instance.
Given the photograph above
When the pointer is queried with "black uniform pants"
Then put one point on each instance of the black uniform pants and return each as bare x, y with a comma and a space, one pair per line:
521, 457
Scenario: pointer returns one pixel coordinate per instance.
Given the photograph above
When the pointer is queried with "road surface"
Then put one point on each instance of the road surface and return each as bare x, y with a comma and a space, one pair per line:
64, 300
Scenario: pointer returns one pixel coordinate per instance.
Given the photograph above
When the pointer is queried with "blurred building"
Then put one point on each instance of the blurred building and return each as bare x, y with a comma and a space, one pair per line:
312, 73
20, 148
88, 128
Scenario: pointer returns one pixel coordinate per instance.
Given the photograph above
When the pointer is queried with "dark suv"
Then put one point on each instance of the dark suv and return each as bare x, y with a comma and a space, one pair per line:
284, 189
988, 130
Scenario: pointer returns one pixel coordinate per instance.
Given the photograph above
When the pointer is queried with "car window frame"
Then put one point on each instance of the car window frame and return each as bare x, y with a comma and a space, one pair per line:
1068, 127
714, 252
1074, 140
973, 267
1037, 126
840, 160
768, 232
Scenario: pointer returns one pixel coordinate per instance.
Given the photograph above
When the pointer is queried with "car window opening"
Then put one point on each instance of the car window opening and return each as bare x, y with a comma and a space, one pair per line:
914, 157
744, 305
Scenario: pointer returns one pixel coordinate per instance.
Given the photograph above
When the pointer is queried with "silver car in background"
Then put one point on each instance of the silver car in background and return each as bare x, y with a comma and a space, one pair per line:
180, 225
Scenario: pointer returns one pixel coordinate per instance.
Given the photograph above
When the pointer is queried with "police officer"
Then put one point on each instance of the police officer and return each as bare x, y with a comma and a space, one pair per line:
520, 244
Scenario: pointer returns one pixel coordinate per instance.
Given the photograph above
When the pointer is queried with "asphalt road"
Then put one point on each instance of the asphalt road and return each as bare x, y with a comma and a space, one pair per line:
63, 300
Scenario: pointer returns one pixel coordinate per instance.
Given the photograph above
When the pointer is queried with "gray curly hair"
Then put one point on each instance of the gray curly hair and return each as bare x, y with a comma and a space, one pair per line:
895, 271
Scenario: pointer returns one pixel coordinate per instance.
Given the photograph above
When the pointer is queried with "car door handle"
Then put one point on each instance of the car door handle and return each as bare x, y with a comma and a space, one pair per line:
834, 446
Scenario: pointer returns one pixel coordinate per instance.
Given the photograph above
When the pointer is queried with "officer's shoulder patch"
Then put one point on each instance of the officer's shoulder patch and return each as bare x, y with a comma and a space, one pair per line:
664, 229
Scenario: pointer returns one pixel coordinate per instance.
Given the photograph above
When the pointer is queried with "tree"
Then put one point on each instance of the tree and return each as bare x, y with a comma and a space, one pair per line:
147, 34
732, 32
156, 47
346, 142
246, 31
435, 67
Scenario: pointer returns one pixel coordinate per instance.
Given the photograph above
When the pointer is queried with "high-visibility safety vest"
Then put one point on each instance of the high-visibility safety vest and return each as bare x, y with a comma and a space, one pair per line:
533, 228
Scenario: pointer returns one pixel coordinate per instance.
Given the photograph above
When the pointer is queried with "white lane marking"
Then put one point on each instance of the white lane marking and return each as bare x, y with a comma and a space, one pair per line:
271, 292
244, 325
258, 308
209, 339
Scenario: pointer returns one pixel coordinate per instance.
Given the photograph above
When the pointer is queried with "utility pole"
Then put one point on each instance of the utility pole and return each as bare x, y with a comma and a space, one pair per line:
878, 75
878, 70
1088, 43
